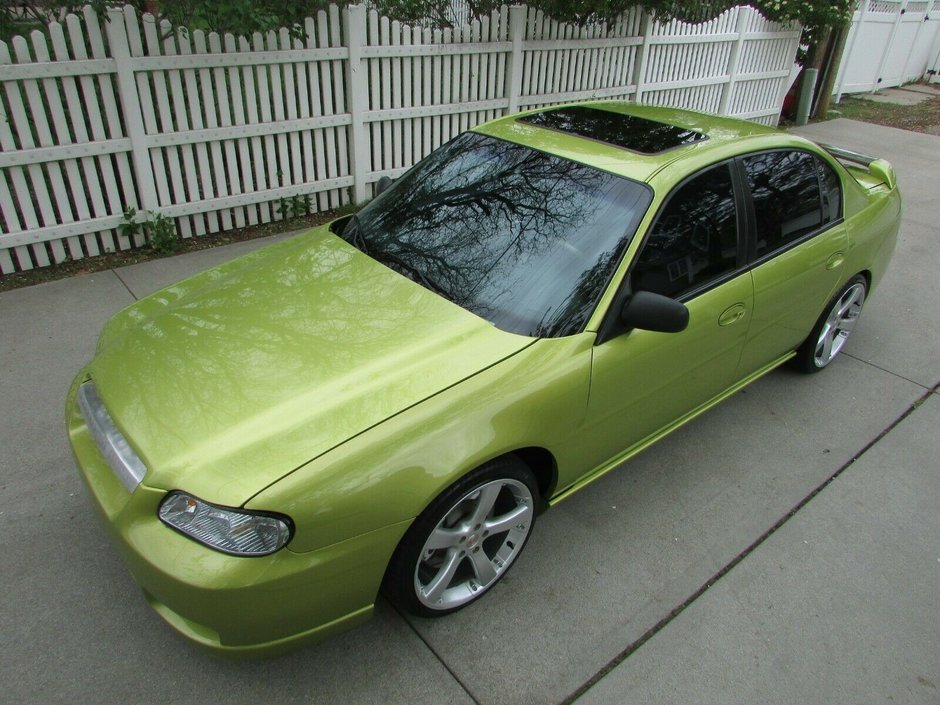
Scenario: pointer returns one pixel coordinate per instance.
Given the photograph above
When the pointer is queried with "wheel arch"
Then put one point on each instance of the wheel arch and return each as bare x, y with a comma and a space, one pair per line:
805, 359
543, 465
539, 460
399, 579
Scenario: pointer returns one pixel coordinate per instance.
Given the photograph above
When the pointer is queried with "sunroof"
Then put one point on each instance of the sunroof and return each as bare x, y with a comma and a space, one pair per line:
628, 131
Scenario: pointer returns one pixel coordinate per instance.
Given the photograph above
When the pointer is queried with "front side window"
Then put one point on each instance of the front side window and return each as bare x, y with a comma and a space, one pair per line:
694, 240
524, 239
785, 191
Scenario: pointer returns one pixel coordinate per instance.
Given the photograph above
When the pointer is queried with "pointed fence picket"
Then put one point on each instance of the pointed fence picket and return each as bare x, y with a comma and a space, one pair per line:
102, 117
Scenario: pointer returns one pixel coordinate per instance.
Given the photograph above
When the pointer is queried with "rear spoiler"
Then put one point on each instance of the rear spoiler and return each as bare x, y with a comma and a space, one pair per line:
879, 168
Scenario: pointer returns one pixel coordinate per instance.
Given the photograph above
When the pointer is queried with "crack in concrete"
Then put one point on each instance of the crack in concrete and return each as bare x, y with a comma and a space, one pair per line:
120, 279
659, 626
430, 648
886, 370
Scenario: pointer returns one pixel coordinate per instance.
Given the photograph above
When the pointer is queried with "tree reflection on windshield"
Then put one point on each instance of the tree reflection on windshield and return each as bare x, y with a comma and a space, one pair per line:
523, 239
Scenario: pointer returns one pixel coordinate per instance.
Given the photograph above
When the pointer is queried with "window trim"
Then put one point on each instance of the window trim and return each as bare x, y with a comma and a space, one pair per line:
751, 234
611, 326
525, 119
651, 193
835, 172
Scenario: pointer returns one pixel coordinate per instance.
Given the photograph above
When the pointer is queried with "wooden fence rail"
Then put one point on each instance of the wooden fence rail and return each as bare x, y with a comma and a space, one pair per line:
217, 132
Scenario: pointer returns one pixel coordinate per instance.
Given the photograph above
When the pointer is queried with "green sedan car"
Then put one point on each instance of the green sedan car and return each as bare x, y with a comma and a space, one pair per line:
387, 402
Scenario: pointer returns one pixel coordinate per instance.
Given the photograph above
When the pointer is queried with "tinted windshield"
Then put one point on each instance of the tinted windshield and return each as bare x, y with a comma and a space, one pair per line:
523, 239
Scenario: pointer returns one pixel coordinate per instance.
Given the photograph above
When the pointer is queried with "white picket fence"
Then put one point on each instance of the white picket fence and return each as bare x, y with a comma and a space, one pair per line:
213, 131
890, 42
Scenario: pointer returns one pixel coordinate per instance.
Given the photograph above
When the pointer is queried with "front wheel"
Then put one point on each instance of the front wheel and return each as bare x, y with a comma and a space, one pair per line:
465, 541
833, 328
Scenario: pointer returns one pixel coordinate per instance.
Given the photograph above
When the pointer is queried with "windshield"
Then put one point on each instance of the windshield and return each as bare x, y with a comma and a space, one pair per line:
526, 240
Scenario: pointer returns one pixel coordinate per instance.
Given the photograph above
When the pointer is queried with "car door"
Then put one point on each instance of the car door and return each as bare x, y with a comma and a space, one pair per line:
797, 248
642, 381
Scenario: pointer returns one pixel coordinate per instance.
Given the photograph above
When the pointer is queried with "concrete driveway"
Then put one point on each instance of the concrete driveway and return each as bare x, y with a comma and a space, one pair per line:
783, 548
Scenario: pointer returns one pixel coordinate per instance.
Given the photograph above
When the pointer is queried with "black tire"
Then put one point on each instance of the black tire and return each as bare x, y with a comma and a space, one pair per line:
833, 327
482, 523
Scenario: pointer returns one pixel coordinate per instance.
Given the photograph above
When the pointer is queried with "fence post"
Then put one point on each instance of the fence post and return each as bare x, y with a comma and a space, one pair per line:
887, 52
639, 68
130, 106
354, 19
734, 61
913, 45
933, 62
855, 28
517, 22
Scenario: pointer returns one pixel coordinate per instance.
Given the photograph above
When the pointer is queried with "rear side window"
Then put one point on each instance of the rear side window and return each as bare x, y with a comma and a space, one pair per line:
694, 240
786, 195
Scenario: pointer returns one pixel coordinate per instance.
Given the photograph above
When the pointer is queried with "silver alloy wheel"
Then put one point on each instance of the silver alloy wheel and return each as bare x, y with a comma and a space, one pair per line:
474, 544
839, 324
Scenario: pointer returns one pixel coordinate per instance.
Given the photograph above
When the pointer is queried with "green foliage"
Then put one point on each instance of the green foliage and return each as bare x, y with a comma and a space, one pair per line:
162, 235
347, 209
245, 17
158, 230
294, 207
814, 15
240, 17
437, 13
130, 227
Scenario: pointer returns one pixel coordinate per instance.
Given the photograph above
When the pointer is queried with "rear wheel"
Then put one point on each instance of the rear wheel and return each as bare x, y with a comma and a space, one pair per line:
465, 541
833, 328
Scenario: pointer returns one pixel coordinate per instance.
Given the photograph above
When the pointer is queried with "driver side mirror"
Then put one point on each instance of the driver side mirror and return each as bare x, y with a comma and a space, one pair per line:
648, 311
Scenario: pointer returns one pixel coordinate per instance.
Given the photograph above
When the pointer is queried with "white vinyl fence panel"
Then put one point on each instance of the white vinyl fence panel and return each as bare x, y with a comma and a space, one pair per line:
890, 42
214, 132
933, 57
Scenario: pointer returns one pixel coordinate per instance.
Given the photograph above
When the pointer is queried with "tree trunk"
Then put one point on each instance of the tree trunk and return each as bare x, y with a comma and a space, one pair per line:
824, 94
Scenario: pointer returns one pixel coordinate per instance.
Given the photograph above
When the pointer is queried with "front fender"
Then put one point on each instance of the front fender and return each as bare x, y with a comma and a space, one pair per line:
391, 472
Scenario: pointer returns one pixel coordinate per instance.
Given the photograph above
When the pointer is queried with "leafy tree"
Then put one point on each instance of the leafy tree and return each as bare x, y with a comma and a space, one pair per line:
823, 23
243, 17
240, 17
814, 15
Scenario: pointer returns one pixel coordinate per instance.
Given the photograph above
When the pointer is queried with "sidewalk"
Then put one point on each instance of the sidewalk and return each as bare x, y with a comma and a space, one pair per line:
911, 94
664, 582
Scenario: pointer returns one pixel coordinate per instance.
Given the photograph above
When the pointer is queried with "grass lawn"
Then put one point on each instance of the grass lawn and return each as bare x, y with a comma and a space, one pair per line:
923, 117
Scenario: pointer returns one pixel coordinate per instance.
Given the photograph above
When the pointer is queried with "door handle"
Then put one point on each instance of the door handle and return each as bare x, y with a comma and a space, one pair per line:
835, 260
732, 314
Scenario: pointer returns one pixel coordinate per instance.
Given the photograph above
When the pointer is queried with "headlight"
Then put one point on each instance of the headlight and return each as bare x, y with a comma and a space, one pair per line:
234, 531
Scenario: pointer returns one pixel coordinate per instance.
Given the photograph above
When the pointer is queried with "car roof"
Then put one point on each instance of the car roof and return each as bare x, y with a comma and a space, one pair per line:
572, 138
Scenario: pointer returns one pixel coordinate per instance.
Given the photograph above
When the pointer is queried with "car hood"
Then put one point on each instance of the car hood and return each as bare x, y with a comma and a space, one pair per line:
228, 381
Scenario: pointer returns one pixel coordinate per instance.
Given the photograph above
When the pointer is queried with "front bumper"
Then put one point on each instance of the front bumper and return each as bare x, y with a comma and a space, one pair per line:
232, 604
